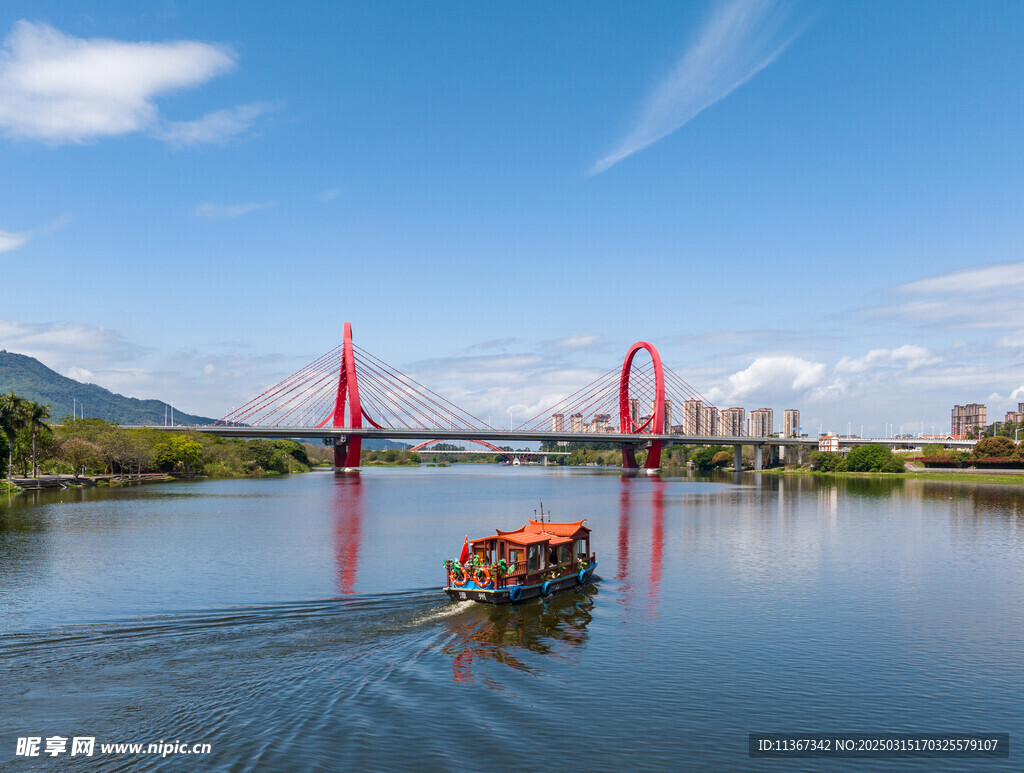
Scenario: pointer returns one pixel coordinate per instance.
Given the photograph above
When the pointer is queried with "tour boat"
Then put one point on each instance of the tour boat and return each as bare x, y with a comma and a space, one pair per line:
509, 566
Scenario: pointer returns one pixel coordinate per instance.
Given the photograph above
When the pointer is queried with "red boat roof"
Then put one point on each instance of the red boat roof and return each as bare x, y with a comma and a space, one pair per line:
536, 531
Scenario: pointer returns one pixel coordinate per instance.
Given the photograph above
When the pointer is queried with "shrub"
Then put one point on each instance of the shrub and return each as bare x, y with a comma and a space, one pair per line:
827, 461
873, 458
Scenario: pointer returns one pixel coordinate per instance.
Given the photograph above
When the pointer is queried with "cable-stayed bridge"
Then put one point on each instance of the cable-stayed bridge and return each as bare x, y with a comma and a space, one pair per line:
349, 394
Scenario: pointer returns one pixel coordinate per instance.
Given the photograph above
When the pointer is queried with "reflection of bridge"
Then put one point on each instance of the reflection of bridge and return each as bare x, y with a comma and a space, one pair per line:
334, 395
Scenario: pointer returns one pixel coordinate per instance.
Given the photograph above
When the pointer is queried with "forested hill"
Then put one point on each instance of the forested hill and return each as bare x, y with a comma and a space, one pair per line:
29, 378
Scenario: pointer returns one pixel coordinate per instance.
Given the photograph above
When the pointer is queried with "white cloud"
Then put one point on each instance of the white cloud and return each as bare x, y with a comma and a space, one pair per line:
11, 241
211, 210
578, 341
330, 194
740, 39
218, 126
909, 356
84, 375
58, 345
981, 298
1002, 275
770, 376
58, 88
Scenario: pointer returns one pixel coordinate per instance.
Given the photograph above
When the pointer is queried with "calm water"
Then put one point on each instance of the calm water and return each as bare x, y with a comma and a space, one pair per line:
297, 624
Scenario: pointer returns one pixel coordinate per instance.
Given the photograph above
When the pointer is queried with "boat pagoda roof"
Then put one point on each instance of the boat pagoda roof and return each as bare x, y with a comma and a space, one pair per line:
534, 532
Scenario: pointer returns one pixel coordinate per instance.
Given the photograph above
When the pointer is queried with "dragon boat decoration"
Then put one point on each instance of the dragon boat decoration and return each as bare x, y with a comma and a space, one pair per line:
537, 559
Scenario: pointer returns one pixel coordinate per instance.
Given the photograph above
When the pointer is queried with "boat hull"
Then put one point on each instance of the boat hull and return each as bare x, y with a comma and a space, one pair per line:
471, 592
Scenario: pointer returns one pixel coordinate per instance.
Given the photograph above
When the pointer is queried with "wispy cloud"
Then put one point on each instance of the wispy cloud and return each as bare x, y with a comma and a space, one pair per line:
979, 298
60, 89
11, 241
329, 195
740, 38
218, 126
578, 341
56, 344
219, 211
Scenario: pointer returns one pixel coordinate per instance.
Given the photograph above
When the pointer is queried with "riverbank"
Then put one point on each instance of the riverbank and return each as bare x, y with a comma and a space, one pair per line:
992, 476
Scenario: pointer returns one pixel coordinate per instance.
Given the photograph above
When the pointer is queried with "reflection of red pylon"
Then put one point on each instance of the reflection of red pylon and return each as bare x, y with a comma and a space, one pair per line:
348, 529
657, 542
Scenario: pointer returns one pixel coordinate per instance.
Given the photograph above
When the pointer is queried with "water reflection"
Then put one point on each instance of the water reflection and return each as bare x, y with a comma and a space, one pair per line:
554, 626
633, 494
348, 528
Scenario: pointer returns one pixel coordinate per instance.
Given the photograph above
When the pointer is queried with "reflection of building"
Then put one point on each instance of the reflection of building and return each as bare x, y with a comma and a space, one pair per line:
710, 419
558, 422
761, 423
576, 422
791, 423
691, 417
732, 421
967, 417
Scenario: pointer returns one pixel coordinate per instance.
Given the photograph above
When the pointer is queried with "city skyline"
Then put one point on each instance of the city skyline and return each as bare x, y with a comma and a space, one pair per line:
197, 199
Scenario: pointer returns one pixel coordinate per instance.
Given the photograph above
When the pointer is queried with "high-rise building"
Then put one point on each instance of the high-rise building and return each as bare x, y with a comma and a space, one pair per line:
1014, 417
558, 422
634, 413
576, 422
761, 423
791, 423
691, 417
967, 417
732, 422
668, 416
711, 420
603, 422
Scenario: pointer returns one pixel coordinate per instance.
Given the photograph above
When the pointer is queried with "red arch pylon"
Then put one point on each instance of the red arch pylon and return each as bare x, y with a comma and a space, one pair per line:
655, 425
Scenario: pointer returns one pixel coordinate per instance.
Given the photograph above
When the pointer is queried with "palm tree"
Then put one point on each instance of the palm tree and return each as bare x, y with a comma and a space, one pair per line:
12, 420
34, 416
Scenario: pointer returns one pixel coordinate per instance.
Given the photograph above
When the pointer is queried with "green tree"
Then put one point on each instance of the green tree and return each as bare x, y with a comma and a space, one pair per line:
704, 458
873, 457
179, 449
827, 461
993, 446
721, 459
80, 454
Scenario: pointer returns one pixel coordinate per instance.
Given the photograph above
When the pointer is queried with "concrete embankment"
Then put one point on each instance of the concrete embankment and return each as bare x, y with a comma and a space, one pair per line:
66, 481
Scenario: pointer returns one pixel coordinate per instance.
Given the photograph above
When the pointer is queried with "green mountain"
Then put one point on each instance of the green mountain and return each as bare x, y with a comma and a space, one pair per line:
28, 377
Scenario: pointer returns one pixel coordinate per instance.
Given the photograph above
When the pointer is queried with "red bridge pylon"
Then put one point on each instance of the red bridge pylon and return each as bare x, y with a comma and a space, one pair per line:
646, 398
344, 388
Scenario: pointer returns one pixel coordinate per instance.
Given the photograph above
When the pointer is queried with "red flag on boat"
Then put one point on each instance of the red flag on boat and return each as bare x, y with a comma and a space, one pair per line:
464, 555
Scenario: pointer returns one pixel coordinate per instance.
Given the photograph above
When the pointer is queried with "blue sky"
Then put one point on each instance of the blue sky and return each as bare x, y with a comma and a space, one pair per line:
812, 205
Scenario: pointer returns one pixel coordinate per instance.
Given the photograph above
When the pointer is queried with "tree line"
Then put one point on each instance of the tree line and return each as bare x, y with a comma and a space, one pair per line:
30, 445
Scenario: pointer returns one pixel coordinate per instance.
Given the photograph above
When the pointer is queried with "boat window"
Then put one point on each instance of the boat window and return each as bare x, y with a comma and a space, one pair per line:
515, 557
564, 554
581, 548
533, 558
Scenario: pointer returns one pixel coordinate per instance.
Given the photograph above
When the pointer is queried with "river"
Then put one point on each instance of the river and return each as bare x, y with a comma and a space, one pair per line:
297, 623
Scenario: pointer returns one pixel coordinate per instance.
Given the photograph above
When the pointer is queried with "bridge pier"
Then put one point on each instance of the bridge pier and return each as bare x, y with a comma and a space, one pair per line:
346, 454
737, 457
758, 465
